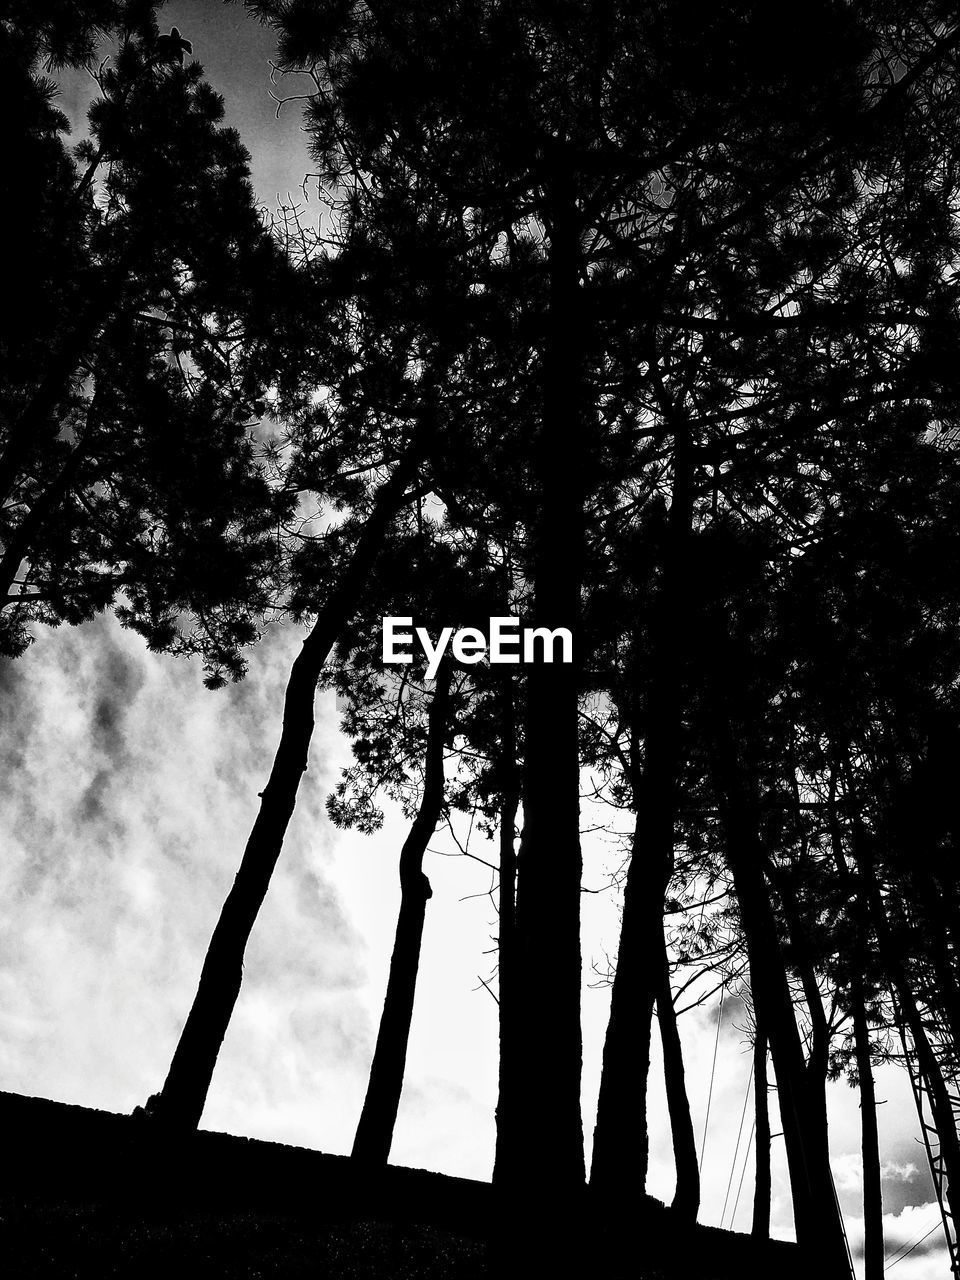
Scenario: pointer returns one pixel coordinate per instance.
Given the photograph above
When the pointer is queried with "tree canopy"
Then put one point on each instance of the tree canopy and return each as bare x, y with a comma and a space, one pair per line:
636, 320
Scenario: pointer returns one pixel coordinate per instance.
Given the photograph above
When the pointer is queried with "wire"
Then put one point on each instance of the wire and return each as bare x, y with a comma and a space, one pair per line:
900, 1258
736, 1149
713, 1070
746, 1158
843, 1227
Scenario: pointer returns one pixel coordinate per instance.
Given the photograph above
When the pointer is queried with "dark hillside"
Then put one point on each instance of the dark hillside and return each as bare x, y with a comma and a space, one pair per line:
89, 1193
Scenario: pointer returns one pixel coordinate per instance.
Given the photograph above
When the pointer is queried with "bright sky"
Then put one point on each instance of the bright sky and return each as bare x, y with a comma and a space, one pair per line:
129, 791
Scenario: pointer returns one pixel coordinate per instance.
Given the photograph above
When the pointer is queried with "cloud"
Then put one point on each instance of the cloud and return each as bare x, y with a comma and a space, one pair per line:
124, 821
916, 1228
848, 1172
130, 791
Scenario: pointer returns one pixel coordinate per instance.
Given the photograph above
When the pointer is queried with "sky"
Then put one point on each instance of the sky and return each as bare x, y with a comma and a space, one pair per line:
128, 794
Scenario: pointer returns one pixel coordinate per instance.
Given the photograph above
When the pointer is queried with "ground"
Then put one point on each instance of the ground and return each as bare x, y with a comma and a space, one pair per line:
91, 1194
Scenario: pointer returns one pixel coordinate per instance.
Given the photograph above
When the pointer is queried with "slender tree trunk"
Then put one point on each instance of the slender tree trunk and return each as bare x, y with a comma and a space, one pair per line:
378, 1117
873, 1261
803, 1113
548, 1149
180, 1103
818, 1058
621, 1140
940, 1102
686, 1196
621, 1143
873, 1249
760, 1228
509, 1037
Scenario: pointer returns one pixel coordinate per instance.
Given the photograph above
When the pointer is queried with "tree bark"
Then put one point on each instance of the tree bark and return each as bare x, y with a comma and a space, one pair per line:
803, 1113
621, 1140
760, 1228
940, 1103
818, 1057
686, 1196
374, 1136
181, 1101
548, 1146
873, 1261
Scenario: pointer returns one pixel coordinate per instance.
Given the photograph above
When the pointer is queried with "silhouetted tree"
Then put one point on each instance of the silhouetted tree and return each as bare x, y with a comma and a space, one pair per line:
181, 1101
614, 145
374, 1134
132, 375
760, 1223
686, 1196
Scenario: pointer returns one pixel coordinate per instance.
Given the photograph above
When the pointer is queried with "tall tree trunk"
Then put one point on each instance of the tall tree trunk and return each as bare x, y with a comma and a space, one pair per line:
549, 1127
378, 1117
760, 1228
818, 1057
181, 1101
892, 961
620, 1139
803, 1113
510, 1063
873, 1261
686, 1196
621, 1143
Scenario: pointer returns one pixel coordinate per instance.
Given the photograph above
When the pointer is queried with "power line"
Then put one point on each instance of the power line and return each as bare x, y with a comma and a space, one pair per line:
843, 1227
736, 1149
713, 1070
916, 1245
746, 1158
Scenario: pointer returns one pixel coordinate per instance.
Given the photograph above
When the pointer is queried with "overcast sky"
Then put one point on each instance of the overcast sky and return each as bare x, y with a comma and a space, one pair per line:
129, 791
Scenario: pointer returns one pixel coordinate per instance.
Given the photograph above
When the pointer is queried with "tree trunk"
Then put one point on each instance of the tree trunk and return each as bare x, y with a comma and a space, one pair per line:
621, 1140
180, 1103
940, 1103
760, 1228
802, 1110
548, 1150
873, 1261
378, 1117
818, 1057
686, 1196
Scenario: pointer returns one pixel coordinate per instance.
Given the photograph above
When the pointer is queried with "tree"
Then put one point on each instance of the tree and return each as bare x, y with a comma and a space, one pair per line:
683, 258
180, 1103
134, 372
378, 1117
